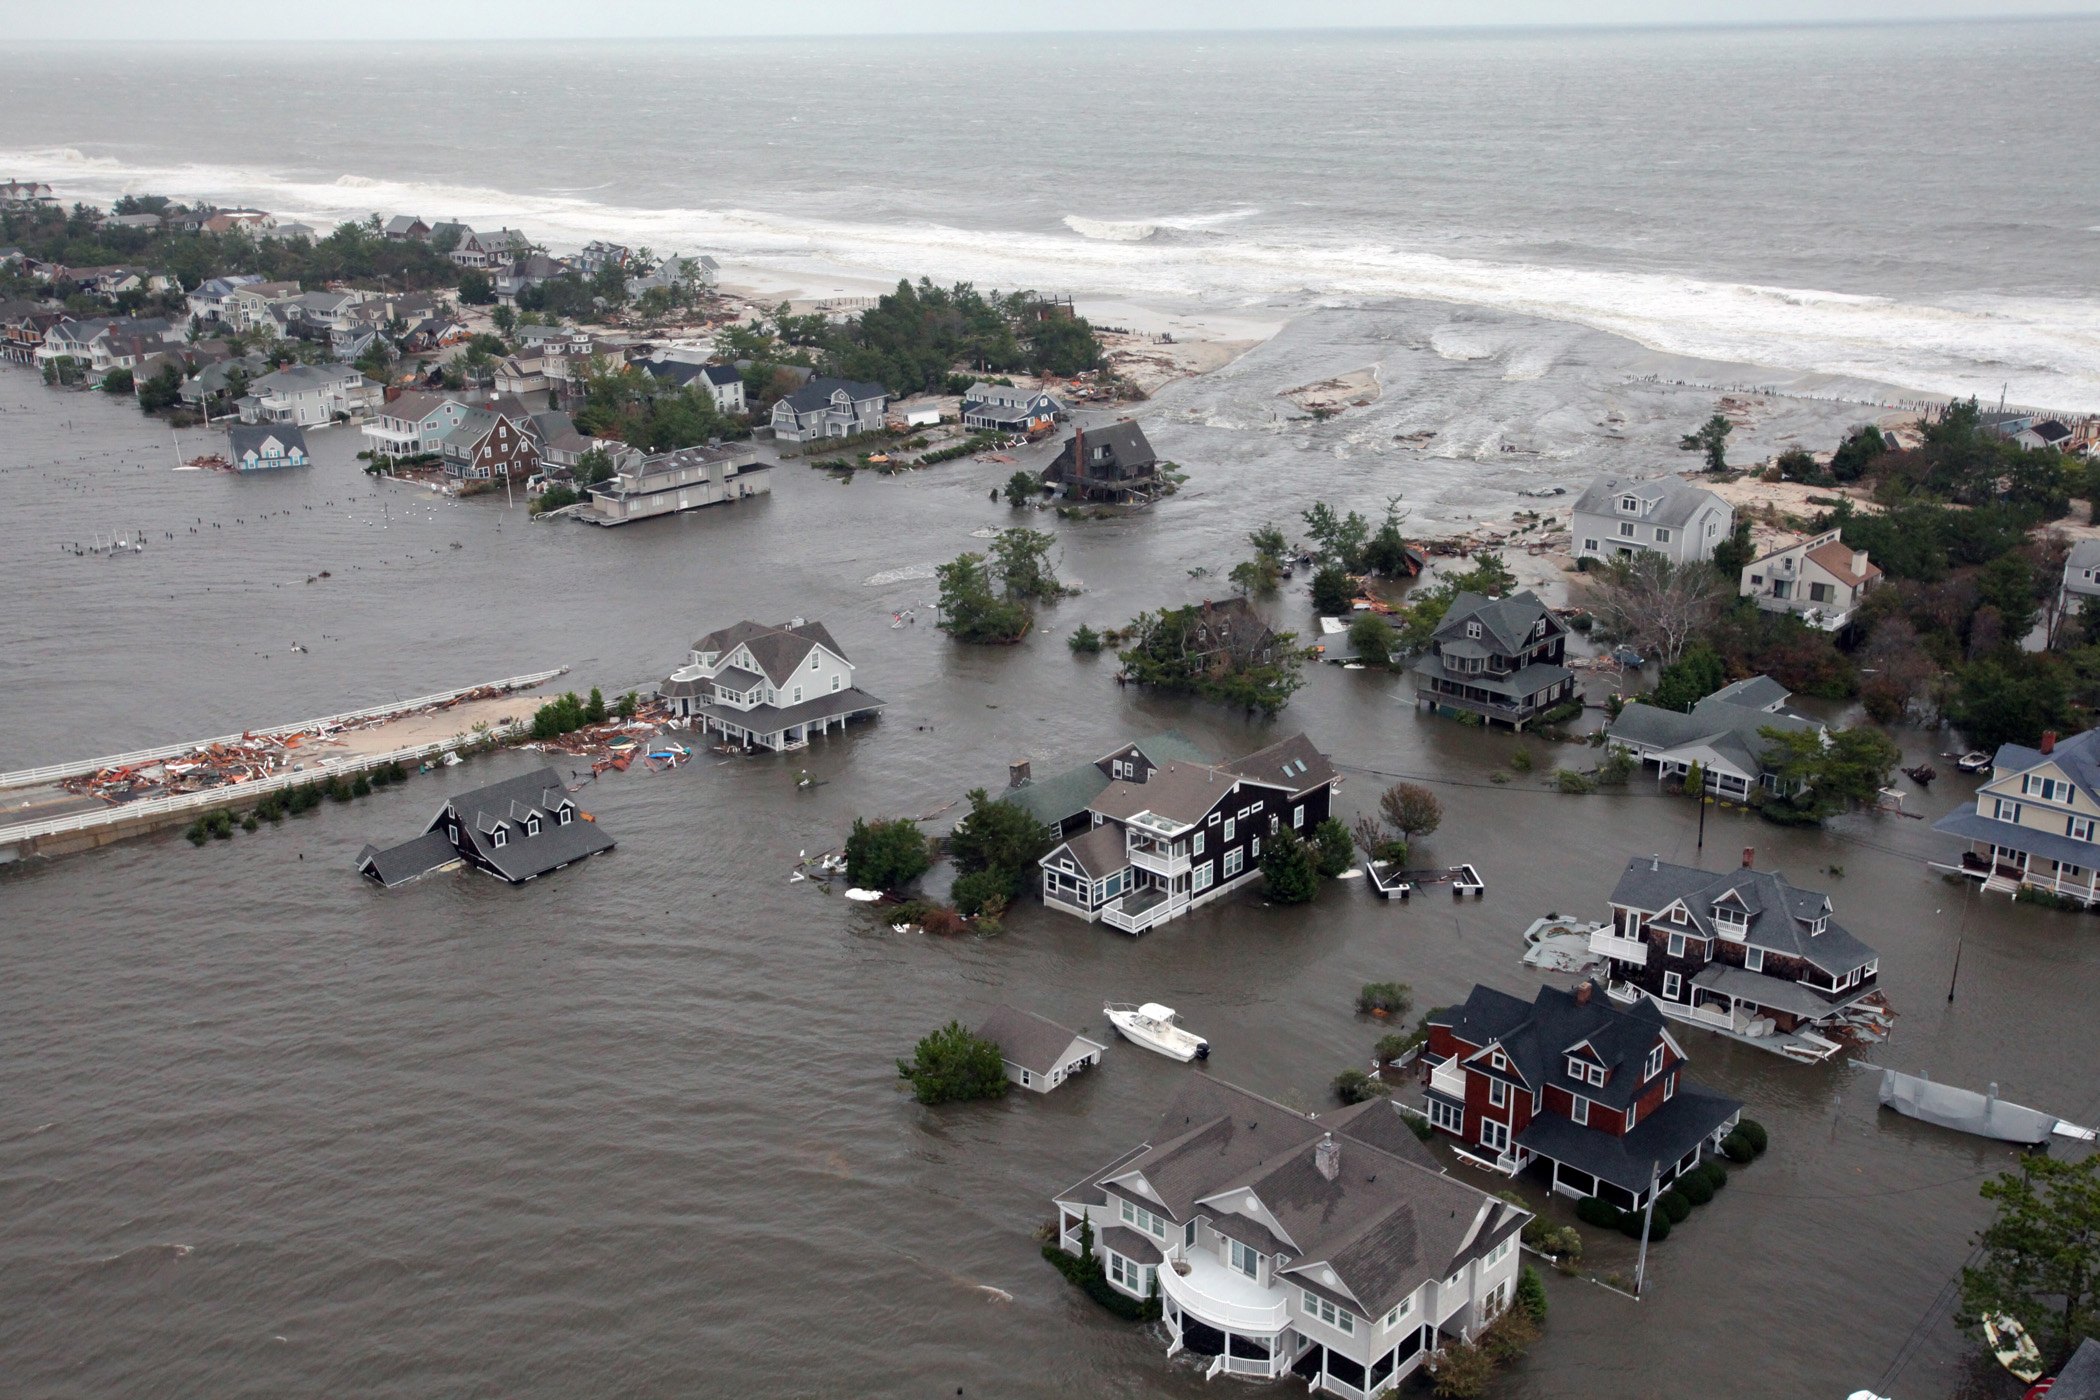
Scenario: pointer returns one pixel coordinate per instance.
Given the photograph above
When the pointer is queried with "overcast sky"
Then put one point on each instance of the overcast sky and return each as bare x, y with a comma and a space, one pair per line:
219, 20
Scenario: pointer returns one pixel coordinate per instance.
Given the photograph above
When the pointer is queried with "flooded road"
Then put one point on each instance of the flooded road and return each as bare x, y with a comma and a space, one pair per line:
636, 1129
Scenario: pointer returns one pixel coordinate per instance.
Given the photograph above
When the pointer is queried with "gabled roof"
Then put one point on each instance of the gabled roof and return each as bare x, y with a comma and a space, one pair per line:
1508, 622
2077, 757
1839, 561
1665, 500
411, 860
1537, 1037
1726, 722
415, 406
817, 394
1035, 1043
242, 436
2084, 555
1778, 911
523, 856
1097, 851
1180, 792
1384, 1225
778, 650
1292, 764
1064, 795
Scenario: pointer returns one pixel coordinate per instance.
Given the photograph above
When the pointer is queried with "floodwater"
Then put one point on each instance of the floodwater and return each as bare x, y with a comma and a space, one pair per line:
635, 1129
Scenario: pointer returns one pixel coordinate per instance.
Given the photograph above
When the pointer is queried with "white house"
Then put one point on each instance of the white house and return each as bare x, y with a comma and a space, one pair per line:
413, 424
1039, 1053
1334, 1250
768, 687
644, 485
214, 298
1821, 578
1617, 517
2081, 583
1004, 408
248, 306
309, 395
496, 248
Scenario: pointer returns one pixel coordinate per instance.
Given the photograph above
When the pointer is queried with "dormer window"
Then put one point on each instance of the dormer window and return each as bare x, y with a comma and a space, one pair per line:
500, 836
1654, 1065
1576, 1068
1818, 924
1730, 917
532, 825
564, 816
1630, 504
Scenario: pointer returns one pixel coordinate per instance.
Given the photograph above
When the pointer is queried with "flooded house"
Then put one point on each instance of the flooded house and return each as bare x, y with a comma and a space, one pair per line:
1499, 658
1591, 1092
644, 485
1722, 734
264, 446
517, 830
768, 687
1060, 801
1114, 463
2032, 824
1039, 1054
1164, 838
1334, 1251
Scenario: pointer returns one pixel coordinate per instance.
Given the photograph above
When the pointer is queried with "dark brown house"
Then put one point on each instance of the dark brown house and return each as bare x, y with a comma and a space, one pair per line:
1112, 463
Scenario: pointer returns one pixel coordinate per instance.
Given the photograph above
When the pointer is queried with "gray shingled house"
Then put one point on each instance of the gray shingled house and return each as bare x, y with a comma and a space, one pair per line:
1720, 734
829, 408
1334, 1251
517, 830
1499, 658
1114, 462
1039, 1053
1616, 517
768, 687
1060, 801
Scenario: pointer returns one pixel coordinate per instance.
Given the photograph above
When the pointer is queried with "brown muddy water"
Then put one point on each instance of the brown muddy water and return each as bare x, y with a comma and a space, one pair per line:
636, 1129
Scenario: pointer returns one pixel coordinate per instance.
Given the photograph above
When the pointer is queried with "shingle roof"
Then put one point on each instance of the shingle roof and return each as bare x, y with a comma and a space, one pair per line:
1509, 621
2080, 1377
242, 436
1727, 721
522, 857
1292, 764
411, 860
1663, 1137
817, 393
1539, 1035
1033, 1042
1181, 792
778, 649
1067, 794
2084, 555
1838, 560
1776, 909
1676, 500
1099, 850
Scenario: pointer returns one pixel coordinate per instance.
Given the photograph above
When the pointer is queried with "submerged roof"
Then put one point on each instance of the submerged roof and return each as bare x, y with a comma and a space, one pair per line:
1033, 1042
507, 806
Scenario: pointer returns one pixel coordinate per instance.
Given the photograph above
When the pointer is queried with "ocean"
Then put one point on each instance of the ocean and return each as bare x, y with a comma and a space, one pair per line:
1895, 204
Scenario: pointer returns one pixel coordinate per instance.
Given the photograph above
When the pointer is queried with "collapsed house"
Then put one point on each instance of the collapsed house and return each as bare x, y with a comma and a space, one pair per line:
517, 830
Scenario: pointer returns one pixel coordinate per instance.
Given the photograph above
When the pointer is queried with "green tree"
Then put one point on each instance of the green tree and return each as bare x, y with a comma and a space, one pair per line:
594, 466
1001, 838
1710, 437
2012, 699
1269, 543
1257, 575
626, 705
1341, 538
1373, 638
1426, 608
1847, 767
2041, 1254
2007, 583
971, 611
1289, 875
1799, 464
594, 708
951, 1065
1734, 553
1333, 849
887, 853
1386, 552
1488, 576
1168, 650
475, 288
1021, 488
1689, 679
117, 381
1332, 591
1022, 563
162, 390
506, 319
1084, 640
1855, 456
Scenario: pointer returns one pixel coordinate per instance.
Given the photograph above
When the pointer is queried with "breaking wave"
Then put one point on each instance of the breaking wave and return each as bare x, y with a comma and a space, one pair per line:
2045, 350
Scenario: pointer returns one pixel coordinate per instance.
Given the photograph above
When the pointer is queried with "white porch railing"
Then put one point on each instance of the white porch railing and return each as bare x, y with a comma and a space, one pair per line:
1448, 1078
1607, 944
1224, 1299
1159, 913
1145, 858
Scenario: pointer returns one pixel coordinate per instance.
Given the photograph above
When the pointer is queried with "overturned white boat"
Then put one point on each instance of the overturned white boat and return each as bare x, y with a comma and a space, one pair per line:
1154, 1027
1967, 1111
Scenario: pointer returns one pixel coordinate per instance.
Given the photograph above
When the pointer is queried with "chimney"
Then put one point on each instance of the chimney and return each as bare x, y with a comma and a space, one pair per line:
1582, 994
1655, 862
2048, 741
1749, 857
1017, 773
1859, 561
1327, 1157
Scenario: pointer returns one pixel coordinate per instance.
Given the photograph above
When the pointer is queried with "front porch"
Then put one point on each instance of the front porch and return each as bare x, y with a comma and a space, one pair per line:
1447, 695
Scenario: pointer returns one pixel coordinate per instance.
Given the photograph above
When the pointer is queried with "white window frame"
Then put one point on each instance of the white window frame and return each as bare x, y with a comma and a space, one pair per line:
1297, 818
1230, 823
1498, 1093
1494, 1135
1673, 985
1676, 945
1197, 847
1247, 1261
1202, 878
1579, 1110
1595, 1075
2079, 828
1753, 960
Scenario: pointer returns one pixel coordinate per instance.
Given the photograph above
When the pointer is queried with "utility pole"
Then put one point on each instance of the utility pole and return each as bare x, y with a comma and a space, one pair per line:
1640, 1267
1702, 810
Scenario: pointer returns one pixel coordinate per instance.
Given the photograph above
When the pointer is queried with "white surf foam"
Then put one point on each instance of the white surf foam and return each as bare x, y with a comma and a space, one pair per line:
2041, 351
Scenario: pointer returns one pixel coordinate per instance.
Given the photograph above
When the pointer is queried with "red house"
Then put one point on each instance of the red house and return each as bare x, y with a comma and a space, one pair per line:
1591, 1092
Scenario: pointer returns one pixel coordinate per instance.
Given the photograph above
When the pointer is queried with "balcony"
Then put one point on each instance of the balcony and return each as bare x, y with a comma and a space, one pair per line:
1141, 909
1607, 944
1159, 860
1225, 1298
1449, 1080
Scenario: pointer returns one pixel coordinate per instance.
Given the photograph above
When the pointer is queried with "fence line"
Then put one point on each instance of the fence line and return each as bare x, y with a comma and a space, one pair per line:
56, 771
110, 816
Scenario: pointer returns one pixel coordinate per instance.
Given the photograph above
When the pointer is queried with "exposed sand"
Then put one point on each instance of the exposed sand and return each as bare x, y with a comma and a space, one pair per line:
1359, 388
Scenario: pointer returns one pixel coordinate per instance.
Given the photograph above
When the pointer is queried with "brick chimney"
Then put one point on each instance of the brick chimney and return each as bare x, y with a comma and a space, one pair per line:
1017, 773
1327, 1157
1582, 994
2048, 741
1749, 857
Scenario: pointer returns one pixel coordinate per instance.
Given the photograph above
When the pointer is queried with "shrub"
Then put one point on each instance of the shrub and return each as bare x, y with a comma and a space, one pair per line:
972, 892
1694, 1187
1716, 1175
198, 832
1737, 1147
1511, 1333
1521, 760
1354, 1086
1391, 1047
887, 853
1461, 1371
361, 787
1755, 1132
1616, 769
1594, 1210
1531, 1294
1333, 849
249, 823
1086, 1273
1085, 641
1393, 998
1676, 1205
953, 1064
1630, 1223
1568, 780
1421, 1126
1288, 873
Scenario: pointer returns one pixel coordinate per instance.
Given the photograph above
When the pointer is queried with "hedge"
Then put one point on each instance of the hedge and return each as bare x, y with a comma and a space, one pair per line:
1676, 1205
1590, 1210
1695, 1187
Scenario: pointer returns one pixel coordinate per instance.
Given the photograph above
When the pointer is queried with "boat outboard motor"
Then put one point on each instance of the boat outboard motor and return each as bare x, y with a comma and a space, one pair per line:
1202, 1049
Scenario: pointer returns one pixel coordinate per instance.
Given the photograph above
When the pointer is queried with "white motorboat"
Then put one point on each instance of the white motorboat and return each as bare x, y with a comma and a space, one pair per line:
1154, 1027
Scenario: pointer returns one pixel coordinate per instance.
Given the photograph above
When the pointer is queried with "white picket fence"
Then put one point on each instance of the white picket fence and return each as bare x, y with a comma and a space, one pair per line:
57, 771
243, 792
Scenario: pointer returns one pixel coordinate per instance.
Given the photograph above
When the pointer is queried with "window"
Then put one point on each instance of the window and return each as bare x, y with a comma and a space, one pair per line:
814, 661
1596, 1076
499, 837
2005, 811
1753, 960
1026, 1080
1275, 823
1144, 1220
1729, 917
1448, 1116
532, 825
1630, 504
1626, 529
2079, 828
1498, 1061
1254, 849
1297, 818
1671, 983
1670, 1087
1494, 1134
1496, 1255
1401, 1309
1662, 536
1633, 1111
1579, 1111
798, 695
1576, 1068
1230, 823
835, 682
1819, 593
1498, 1092
1244, 1259
1589, 546
1654, 1064
1213, 819
1676, 945
1339, 1318
1202, 878
1472, 629
1198, 846
1188, 1235
1235, 862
